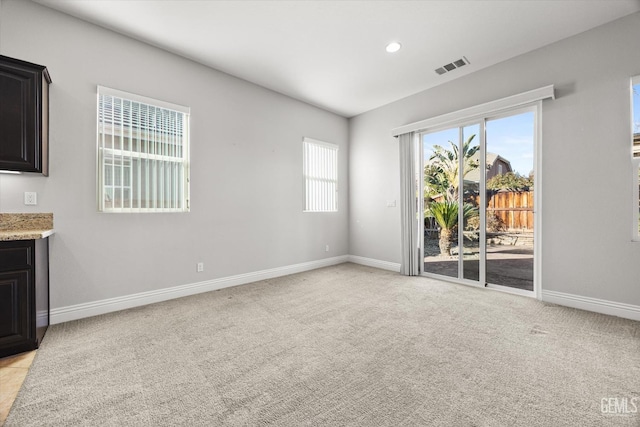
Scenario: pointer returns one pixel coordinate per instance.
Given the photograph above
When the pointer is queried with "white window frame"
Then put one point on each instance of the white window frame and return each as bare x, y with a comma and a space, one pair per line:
173, 154
320, 176
531, 100
111, 180
635, 169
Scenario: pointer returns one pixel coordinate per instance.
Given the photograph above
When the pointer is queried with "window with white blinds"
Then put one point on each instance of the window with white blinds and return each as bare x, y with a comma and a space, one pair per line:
143, 154
320, 176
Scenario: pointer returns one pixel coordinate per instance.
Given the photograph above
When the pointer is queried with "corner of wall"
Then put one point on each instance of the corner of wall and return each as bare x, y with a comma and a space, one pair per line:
1, 26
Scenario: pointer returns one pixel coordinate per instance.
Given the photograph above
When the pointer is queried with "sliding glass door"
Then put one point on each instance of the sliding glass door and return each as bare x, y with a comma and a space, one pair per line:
509, 187
477, 191
441, 201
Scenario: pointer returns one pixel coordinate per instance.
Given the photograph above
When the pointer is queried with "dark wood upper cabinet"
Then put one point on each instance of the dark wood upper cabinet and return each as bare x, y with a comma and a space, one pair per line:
24, 116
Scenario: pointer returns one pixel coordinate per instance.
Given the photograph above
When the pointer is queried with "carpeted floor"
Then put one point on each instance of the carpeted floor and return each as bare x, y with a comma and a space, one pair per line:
344, 345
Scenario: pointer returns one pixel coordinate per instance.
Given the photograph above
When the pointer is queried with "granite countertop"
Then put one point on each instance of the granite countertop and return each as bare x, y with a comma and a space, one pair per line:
25, 226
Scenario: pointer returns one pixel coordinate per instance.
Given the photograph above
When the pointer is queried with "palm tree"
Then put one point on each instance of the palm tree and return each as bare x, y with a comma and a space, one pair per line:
446, 215
441, 174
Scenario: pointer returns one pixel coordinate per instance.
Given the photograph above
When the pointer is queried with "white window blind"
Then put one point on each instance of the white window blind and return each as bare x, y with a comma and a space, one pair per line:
320, 176
143, 152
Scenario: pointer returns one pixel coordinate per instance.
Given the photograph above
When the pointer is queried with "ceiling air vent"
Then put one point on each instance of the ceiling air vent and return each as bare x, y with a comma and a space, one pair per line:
449, 67
452, 66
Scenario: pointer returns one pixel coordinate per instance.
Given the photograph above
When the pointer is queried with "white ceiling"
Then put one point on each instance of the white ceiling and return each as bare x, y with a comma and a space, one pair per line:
332, 53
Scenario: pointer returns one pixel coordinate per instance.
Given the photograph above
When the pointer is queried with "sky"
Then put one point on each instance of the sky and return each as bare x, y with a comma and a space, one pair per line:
510, 137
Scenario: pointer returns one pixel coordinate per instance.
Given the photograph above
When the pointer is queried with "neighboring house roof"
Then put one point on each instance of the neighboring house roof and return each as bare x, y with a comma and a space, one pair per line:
474, 175
636, 144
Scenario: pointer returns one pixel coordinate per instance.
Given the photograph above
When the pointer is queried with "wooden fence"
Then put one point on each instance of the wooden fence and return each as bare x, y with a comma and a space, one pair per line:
514, 209
506, 211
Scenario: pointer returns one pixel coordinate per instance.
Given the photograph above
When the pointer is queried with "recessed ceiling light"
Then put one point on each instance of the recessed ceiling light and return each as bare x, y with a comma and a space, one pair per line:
393, 47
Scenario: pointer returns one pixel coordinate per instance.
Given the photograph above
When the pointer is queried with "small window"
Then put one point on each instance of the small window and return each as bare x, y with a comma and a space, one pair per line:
143, 154
636, 198
635, 152
320, 168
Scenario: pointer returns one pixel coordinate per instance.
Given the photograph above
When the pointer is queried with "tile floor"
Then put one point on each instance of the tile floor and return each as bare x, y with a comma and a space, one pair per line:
13, 370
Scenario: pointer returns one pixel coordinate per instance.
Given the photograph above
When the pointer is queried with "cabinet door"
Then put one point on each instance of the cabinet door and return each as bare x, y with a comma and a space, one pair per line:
17, 115
15, 312
23, 90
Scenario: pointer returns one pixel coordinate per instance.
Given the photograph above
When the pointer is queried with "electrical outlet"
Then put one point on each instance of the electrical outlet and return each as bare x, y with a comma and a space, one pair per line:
30, 198
326, 248
200, 267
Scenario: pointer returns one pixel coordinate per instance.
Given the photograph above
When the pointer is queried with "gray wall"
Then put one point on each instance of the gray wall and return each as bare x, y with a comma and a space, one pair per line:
586, 169
246, 167
246, 164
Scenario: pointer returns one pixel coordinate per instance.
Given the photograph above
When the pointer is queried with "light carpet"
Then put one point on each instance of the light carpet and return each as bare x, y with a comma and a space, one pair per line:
340, 346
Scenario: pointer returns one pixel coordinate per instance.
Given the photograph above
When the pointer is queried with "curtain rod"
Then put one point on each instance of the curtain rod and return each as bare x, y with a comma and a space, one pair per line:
487, 108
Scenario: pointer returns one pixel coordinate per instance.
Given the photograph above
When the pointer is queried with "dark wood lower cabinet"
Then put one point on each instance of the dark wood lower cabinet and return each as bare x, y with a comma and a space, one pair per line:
24, 295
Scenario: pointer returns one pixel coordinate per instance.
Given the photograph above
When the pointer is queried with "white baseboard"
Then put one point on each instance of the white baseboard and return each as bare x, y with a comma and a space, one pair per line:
385, 265
611, 308
94, 308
